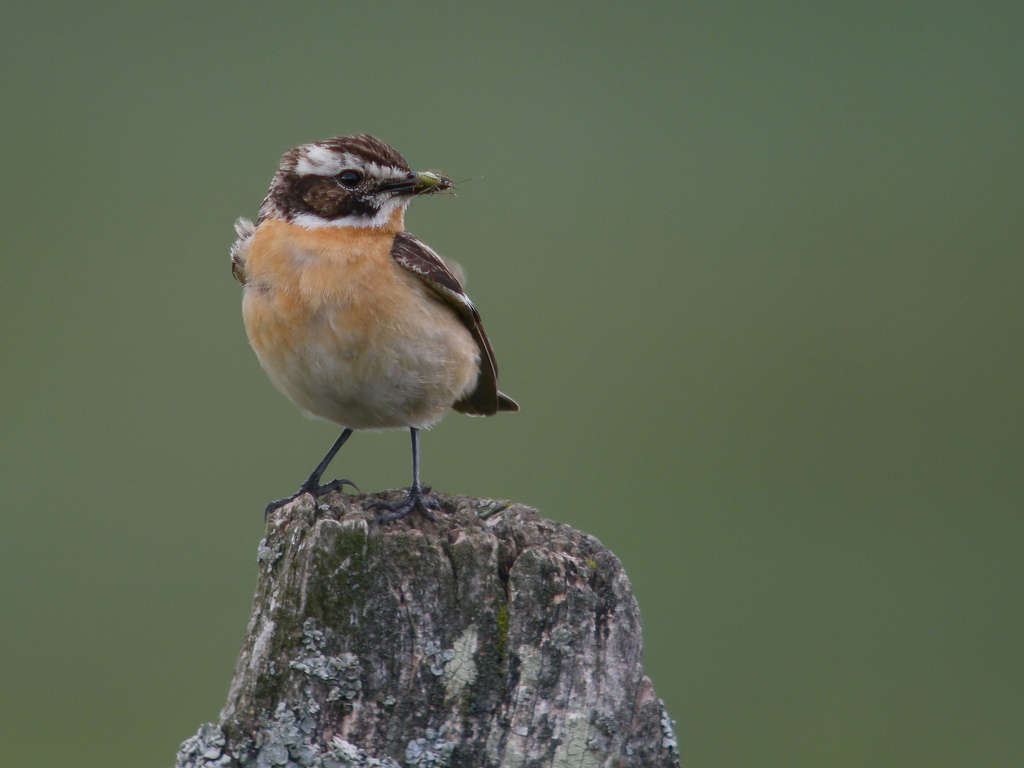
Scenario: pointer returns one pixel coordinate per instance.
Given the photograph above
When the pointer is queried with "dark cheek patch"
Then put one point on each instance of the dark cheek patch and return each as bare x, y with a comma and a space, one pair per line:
353, 205
320, 199
327, 200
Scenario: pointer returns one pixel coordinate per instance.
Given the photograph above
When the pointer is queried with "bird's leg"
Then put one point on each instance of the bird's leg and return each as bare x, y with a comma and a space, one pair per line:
418, 497
312, 483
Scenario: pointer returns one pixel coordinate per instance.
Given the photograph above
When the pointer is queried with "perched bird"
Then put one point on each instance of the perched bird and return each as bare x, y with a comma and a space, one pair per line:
354, 319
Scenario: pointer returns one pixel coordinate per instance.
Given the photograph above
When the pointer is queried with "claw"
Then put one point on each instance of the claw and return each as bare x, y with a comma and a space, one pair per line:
335, 485
316, 492
276, 505
418, 498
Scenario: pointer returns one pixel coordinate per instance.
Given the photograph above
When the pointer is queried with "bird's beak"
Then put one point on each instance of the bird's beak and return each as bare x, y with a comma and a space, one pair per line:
419, 183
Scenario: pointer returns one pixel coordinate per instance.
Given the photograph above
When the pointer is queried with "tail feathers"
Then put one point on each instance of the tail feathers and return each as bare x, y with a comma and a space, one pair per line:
506, 403
472, 408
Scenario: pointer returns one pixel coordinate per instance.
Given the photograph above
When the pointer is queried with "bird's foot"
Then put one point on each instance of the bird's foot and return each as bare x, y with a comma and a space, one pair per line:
418, 498
316, 491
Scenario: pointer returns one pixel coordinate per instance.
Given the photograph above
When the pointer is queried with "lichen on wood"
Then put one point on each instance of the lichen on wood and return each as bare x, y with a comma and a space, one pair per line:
489, 637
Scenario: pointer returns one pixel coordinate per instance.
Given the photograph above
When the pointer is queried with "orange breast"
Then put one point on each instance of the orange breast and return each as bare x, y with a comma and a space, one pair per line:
348, 334
299, 274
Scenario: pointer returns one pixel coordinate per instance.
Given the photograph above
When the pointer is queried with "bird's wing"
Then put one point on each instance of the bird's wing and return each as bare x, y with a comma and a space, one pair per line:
245, 229
419, 258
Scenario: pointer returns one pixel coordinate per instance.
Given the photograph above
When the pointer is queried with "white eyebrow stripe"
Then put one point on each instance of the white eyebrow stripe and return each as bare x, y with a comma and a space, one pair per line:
317, 160
384, 171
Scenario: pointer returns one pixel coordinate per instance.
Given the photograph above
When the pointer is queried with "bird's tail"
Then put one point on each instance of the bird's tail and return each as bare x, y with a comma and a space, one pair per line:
506, 403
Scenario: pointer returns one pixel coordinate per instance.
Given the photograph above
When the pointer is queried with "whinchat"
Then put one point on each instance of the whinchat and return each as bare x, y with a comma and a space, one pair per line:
354, 319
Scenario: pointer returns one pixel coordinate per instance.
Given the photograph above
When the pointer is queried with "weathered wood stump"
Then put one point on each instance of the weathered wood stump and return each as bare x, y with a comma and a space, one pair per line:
491, 637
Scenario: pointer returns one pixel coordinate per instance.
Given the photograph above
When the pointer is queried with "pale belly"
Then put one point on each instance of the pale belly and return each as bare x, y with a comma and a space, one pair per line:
360, 365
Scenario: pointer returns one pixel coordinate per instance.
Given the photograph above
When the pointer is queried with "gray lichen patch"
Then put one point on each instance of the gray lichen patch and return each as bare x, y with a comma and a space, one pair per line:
284, 740
436, 657
206, 749
668, 732
341, 673
432, 750
574, 748
266, 555
460, 669
346, 755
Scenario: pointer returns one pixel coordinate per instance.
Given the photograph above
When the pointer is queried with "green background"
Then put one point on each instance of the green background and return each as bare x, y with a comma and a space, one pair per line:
752, 269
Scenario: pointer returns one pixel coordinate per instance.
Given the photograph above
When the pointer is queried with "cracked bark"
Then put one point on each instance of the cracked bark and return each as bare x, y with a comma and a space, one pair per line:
491, 637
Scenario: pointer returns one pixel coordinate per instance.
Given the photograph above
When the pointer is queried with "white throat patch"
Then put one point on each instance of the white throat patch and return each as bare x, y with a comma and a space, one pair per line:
312, 221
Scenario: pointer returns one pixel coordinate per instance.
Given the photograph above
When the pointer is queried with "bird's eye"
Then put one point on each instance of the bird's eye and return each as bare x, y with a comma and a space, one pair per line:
350, 178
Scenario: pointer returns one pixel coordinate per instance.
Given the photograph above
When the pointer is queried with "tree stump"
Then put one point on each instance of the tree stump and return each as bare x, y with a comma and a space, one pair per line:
489, 637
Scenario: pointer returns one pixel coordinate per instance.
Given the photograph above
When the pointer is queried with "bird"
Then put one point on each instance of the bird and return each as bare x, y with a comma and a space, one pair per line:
357, 321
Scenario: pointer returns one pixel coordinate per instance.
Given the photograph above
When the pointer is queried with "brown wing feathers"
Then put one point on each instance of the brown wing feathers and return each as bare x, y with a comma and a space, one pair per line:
420, 259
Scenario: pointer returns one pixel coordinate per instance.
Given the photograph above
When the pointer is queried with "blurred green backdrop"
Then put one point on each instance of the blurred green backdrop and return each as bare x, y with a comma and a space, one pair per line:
752, 269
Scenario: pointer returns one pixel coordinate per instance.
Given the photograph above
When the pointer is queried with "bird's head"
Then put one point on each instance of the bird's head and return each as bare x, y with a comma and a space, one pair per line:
347, 181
